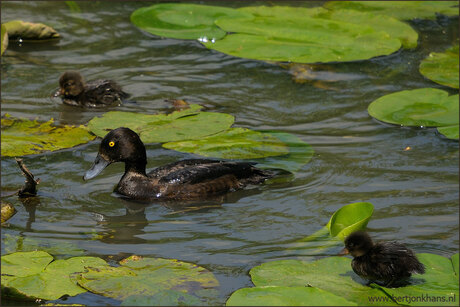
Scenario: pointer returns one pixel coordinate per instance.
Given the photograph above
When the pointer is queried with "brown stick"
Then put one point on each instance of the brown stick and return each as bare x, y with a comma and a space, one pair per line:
30, 186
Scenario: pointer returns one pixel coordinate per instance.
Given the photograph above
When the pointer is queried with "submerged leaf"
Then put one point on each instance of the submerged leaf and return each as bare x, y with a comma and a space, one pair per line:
24, 137
183, 20
234, 143
442, 68
285, 296
420, 107
29, 30
400, 9
138, 276
181, 125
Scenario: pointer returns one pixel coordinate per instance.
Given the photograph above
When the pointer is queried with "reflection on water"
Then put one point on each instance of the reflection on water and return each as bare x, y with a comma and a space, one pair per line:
414, 192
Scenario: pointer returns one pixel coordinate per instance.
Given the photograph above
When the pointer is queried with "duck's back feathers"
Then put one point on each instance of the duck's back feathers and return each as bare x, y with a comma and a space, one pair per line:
102, 93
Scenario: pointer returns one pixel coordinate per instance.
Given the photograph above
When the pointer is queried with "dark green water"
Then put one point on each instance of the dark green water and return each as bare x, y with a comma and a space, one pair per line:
415, 192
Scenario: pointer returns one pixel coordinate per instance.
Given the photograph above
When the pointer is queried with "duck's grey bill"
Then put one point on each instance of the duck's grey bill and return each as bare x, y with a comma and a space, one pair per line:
98, 166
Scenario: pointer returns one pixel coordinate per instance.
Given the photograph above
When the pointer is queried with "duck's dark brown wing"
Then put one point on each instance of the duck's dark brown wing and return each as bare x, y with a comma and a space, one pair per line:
103, 92
193, 172
164, 170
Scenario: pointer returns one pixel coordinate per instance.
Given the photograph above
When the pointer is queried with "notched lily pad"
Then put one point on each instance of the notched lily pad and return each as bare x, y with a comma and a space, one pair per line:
404, 10
285, 296
180, 125
33, 275
442, 68
451, 132
234, 143
183, 20
426, 107
139, 276
29, 30
25, 137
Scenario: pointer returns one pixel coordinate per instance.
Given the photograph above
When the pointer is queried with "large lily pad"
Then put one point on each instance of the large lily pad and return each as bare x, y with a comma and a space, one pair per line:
187, 124
3, 39
285, 296
148, 277
29, 30
30, 275
334, 274
442, 68
24, 137
183, 20
451, 132
234, 143
302, 40
420, 107
404, 10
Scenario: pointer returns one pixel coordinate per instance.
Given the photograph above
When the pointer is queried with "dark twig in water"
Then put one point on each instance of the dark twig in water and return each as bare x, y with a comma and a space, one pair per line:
30, 186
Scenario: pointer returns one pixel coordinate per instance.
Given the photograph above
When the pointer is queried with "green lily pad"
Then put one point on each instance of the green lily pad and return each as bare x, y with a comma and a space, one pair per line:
4, 39
332, 274
163, 298
440, 282
234, 143
149, 277
183, 20
348, 219
187, 124
299, 153
32, 275
29, 30
285, 296
404, 10
420, 107
284, 37
25, 137
442, 68
451, 132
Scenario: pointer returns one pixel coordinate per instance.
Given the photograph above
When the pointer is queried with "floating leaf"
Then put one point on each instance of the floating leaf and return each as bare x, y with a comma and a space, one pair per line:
285, 296
455, 263
299, 153
451, 132
442, 68
234, 143
183, 20
404, 10
419, 107
7, 212
139, 276
163, 298
4, 39
31, 275
29, 30
332, 274
348, 219
180, 125
24, 137
303, 40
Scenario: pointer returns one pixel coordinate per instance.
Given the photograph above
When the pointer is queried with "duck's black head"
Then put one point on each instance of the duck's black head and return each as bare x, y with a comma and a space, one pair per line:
357, 244
119, 145
71, 84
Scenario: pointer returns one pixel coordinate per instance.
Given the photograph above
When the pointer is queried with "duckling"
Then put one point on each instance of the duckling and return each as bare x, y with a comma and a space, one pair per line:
98, 93
389, 262
192, 179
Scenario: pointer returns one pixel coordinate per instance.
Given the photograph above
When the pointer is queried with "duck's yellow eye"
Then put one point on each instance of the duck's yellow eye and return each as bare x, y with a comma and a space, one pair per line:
111, 144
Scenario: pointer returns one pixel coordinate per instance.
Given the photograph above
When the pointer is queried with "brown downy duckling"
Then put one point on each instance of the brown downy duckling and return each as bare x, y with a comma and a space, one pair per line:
98, 93
390, 263
193, 179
